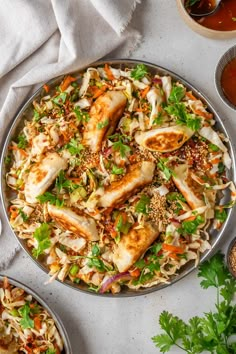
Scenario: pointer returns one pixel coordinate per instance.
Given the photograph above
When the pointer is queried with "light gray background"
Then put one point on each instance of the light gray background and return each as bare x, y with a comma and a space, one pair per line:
117, 326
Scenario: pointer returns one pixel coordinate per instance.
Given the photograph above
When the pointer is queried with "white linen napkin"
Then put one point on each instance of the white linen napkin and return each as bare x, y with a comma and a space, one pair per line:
42, 39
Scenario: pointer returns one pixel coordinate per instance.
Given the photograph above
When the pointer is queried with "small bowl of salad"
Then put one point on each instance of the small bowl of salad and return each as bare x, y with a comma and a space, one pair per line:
27, 324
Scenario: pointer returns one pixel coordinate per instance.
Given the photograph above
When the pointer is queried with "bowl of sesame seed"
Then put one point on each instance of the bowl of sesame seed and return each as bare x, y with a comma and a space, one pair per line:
231, 257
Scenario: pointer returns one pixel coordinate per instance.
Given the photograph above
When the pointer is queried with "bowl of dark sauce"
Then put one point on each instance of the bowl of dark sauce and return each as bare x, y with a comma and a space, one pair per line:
225, 77
219, 25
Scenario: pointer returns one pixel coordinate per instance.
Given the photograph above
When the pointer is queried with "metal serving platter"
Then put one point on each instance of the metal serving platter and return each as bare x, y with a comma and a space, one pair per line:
26, 112
67, 346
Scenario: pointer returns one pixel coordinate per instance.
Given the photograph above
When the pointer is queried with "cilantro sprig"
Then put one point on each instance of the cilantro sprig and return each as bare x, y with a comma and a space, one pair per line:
150, 265
26, 321
178, 109
162, 165
95, 261
22, 141
139, 72
42, 235
143, 204
62, 182
82, 116
119, 143
74, 147
212, 332
51, 198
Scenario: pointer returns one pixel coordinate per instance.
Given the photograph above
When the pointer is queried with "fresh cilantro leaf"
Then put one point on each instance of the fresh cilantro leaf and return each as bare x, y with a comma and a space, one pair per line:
82, 116
36, 116
97, 263
213, 147
117, 170
221, 168
213, 332
7, 160
140, 264
213, 272
139, 72
51, 198
121, 147
60, 99
190, 227
102, 125
62, 182
179, 111
142, 205
23, 215
74, 147
159, 119
173, 196
26, 321
122, 226
162, 165
176, 94
95, 250
163, 342
50, 351
155, 249
221, 215
22, 141
42, 235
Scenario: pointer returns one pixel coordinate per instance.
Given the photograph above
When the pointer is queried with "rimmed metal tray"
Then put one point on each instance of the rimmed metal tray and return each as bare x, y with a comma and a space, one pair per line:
26, 112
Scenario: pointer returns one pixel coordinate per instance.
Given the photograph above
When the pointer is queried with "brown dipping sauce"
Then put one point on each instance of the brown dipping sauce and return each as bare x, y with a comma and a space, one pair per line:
228, 81
224, 19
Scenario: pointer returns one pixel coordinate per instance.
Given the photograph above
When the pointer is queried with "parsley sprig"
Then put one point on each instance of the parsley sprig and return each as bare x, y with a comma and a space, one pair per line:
212, 332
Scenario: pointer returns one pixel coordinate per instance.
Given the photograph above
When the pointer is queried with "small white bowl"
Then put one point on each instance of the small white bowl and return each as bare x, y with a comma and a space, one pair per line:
224, 60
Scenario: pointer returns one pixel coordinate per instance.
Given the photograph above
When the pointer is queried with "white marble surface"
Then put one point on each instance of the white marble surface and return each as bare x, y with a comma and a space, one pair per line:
119, 326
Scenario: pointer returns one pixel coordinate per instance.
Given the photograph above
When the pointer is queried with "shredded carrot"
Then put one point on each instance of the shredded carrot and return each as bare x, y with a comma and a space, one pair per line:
108, 71
174, 256
139, 110
66, 82
135, 273
207, 166
37, 324
191, 218
145, 91
14, 211
190, 95
206, 115
233, 194
172, 249
46, 88
216, 161
22, 152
